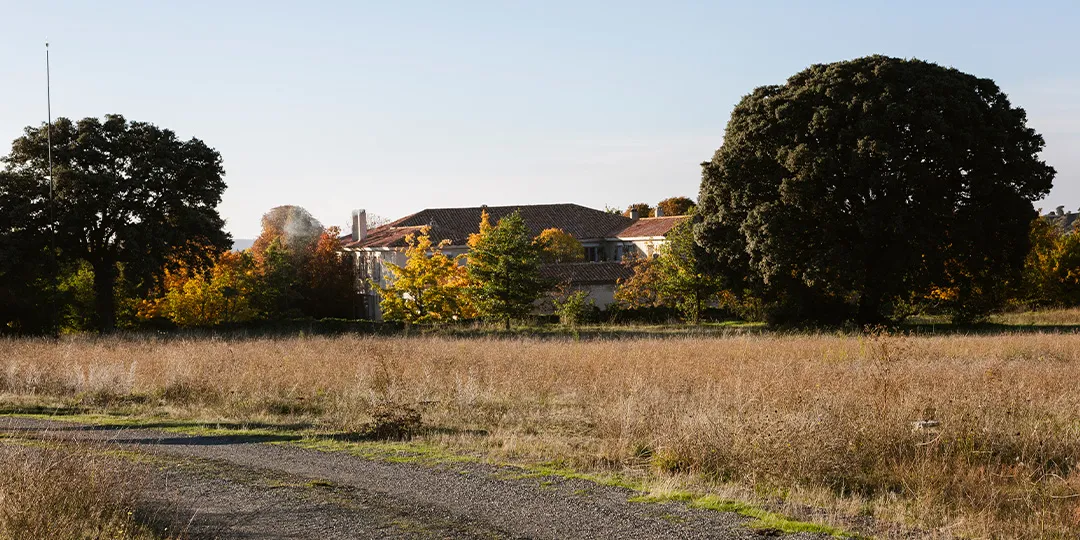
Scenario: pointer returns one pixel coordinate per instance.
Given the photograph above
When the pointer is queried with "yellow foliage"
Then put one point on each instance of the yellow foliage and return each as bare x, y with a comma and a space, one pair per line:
559, 246
222, 295
485, 227
430, 288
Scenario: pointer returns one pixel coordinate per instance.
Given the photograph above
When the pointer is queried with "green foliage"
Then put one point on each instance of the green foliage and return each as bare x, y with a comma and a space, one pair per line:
1052, 270
674, 277
28, 295
429, 288
300, 268
504, 269
76, 288
681, 276
279, 293
573, 307
128, 194
862, 182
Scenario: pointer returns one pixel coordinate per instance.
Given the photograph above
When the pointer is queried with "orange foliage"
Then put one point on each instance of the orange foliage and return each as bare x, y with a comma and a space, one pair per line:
221, 295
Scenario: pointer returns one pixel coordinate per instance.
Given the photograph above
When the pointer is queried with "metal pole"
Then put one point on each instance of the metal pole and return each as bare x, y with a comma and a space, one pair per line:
54, 316
48, 134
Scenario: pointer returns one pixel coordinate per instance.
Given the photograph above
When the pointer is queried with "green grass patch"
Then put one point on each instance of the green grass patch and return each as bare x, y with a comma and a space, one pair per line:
388, 451
761, 519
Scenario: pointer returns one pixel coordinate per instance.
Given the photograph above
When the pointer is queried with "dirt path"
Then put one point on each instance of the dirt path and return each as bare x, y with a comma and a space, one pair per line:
241, 487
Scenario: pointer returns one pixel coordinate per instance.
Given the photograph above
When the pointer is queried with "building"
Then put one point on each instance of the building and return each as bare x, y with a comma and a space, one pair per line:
1064, 221
607, 238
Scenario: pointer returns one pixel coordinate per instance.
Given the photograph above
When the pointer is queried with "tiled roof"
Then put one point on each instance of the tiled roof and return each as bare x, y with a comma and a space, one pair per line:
456, 224
584, 273
385, 236
1065, 221
656, 226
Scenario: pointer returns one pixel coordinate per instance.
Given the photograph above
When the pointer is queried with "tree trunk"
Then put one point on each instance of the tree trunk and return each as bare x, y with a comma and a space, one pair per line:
507, 325
104, 301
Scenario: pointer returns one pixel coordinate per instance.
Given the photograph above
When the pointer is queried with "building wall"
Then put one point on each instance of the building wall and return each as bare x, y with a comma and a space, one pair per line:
603, 295
372, 265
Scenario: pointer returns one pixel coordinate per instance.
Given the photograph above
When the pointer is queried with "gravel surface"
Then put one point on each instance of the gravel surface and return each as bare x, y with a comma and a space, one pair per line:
241, 487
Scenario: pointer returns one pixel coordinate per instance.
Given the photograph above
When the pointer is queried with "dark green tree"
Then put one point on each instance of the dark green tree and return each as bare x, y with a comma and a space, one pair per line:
504, 270
128, 195
28, 292
859, 185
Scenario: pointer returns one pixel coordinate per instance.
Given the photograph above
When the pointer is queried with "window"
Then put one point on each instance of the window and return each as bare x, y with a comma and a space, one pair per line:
592, 254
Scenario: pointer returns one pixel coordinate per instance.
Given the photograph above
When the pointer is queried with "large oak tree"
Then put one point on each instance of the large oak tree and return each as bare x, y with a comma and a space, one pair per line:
859, 185
129, 196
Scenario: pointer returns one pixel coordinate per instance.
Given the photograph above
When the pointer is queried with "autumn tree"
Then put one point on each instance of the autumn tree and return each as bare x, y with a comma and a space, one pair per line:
430, 288
643, 210
858, 184
558, 246
282, 252
1051, 275
294, 226
329, 278
504, 269
676, 206
642, 288
128, 194
223, 294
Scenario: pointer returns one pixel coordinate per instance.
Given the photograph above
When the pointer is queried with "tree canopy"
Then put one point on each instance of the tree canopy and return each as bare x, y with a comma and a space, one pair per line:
676, 206
429, 288
559, 246
294, 226
674, 277
504, 269
130, 197
860, 185
643, 210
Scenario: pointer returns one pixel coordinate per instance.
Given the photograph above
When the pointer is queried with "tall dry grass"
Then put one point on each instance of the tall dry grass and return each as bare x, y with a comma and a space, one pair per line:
54, 493
964, 435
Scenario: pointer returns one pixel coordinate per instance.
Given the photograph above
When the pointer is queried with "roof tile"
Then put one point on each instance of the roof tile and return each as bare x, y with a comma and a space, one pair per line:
585, 273
456, 224
656, 226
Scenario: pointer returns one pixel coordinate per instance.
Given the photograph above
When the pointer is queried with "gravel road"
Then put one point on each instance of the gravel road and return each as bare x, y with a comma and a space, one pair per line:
241, 487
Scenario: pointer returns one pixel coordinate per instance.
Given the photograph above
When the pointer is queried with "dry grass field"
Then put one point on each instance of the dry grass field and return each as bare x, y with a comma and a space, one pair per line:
67, 494
958, 435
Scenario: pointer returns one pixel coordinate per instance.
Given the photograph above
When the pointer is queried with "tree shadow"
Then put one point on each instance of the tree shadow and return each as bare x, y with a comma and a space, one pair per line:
987, 329
209, 440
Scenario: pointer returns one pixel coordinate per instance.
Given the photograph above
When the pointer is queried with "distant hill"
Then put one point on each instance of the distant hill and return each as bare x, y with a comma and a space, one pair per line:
240, 244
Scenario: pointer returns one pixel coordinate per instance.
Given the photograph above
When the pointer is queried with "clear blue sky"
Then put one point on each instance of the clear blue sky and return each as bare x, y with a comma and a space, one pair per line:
398, 106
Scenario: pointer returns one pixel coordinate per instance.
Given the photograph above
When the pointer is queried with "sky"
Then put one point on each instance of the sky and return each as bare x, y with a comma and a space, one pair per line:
398, 106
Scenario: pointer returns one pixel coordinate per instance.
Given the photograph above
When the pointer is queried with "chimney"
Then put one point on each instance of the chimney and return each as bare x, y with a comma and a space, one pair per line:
659, 212
359, 225
1060, 211
633, 213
